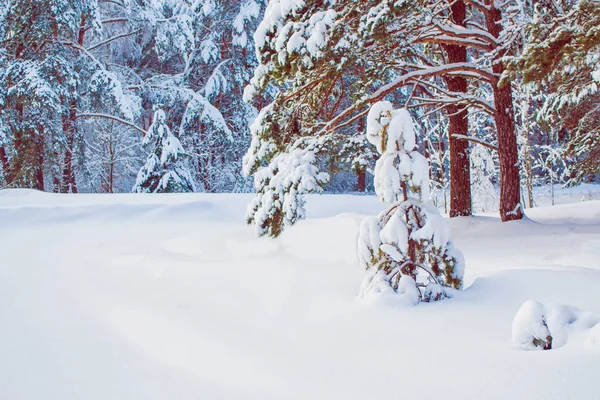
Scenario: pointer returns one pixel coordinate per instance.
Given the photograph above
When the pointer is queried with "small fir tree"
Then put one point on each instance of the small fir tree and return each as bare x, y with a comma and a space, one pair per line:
164, 171
406, 248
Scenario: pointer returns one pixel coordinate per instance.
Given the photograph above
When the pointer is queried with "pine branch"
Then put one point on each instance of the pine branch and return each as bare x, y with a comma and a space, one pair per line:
448, 69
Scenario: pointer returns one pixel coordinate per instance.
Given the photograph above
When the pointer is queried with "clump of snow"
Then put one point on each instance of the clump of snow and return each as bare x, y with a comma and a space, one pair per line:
377, 289
536, 326
530, 329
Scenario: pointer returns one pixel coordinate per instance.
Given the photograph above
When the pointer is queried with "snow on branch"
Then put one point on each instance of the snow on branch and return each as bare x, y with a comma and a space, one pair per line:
475, 140
448, 69
450, 33
109, 21
113, 38
112, 118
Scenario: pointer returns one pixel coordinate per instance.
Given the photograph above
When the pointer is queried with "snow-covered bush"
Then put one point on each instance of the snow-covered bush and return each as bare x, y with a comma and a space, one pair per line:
164, 171
530, 328
409, 242
543, 327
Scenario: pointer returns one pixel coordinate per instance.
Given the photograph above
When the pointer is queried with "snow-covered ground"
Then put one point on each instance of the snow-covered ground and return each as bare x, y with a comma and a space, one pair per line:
171, 297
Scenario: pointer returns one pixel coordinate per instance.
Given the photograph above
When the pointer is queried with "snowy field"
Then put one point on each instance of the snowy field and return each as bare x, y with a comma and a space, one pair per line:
171, 297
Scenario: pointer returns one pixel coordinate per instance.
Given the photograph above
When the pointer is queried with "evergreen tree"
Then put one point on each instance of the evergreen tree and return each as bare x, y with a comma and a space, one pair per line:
560, 58
407, 248
200, 66
165, 170
36, 76
50, 78
397, 50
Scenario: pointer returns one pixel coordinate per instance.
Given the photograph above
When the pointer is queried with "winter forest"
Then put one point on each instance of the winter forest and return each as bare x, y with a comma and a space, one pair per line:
159, 96
303, 199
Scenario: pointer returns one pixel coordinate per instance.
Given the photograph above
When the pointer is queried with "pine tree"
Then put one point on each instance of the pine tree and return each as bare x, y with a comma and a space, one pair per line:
52, 79
560, 58
397, 50
165, 170
199, 67
407, 248
35, 76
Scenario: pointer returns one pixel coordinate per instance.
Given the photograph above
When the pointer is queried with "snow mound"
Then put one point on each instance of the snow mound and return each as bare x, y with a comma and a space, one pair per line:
540, 327
530, 329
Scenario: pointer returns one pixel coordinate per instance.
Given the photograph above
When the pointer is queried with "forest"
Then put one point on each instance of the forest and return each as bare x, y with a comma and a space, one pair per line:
419, 182
106, 96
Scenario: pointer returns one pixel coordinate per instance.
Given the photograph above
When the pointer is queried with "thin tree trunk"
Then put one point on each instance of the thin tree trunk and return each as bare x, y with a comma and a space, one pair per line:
510, 188
458, 124
68, 177
361, 171
38, 158
69, 185
528, 170
5, 163
56, 185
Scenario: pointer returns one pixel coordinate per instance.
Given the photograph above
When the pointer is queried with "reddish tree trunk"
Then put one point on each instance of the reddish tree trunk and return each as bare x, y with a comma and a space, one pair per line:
69, 185
361, 184
5, 162
27, 170
510, 187
460, 168
38, 164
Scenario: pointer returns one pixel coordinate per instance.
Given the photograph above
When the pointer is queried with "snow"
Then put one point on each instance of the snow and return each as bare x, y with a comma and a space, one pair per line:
172, 297
530, 328
560, 322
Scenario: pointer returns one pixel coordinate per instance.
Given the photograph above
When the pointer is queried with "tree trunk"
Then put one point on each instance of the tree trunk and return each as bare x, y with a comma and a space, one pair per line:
5, 163
56, 185
69, 185
361, 171
510, 187
38, 163
68, 176
27, 169
458, 124
361, 175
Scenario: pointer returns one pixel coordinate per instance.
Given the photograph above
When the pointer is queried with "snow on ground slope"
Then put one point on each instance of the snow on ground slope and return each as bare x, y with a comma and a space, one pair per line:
172, 297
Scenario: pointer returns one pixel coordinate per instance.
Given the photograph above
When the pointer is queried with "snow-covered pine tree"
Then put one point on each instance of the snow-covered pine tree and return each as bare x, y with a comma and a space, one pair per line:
560, 58
36, 79
198, 69
165, 170
303, 51
407, 248
51, 78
